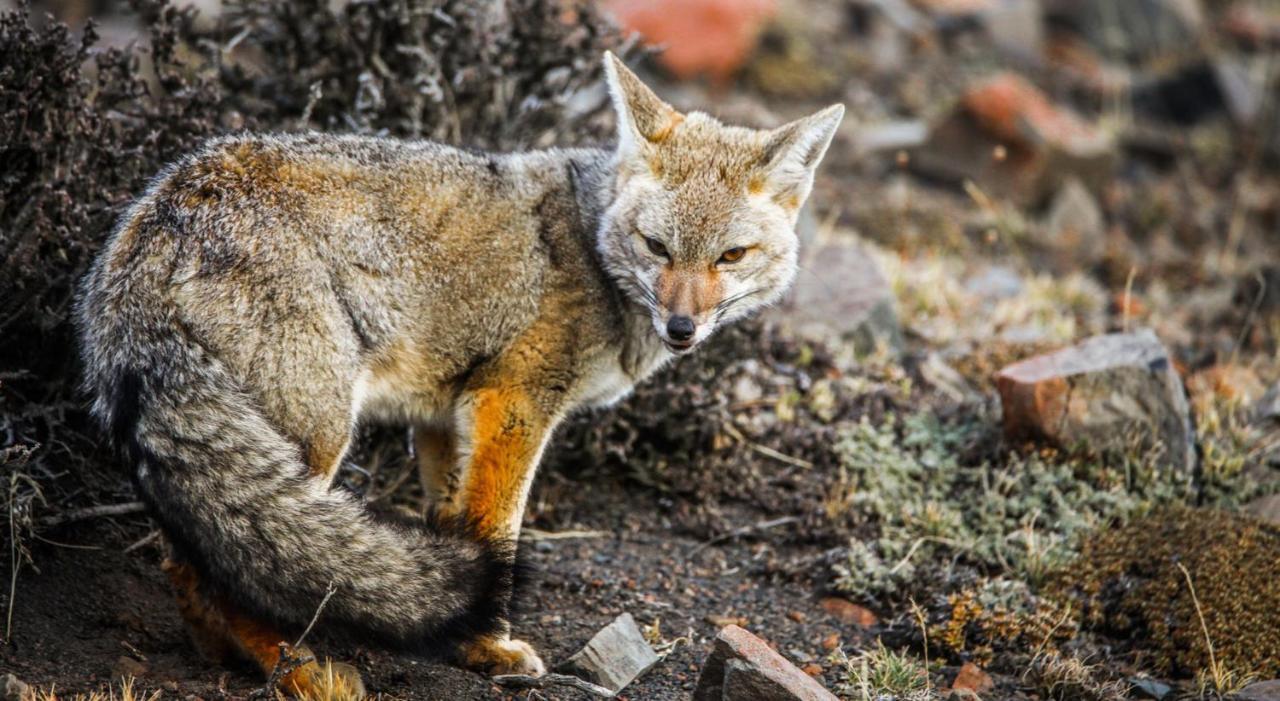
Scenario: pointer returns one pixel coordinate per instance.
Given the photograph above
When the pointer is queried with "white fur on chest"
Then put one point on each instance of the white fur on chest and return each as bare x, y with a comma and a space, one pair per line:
607, 378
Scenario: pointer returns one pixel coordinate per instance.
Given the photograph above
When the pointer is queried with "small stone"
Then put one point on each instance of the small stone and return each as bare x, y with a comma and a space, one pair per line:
614, 657
972, 677
1075, 221
13, 688
848, 612
843, 296
1150, 687
831, 642
128, 667
1106, 393
743, 668
797, 616
1260, 691
813, 669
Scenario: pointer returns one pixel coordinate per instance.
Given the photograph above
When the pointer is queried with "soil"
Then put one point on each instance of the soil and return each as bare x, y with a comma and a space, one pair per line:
86, 609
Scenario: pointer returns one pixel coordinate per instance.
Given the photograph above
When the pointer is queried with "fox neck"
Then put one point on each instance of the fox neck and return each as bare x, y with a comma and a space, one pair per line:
594, 174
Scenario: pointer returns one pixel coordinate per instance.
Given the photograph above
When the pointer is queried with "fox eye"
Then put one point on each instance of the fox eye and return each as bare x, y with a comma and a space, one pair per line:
733, 255
656, 247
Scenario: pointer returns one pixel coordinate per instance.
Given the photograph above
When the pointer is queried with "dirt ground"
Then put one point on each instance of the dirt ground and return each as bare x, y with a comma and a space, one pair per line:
88, 608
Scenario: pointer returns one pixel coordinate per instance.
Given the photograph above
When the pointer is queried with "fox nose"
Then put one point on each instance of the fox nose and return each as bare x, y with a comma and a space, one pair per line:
680, 328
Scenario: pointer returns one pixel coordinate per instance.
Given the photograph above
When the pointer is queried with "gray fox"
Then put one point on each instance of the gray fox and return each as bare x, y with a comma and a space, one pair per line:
268, 292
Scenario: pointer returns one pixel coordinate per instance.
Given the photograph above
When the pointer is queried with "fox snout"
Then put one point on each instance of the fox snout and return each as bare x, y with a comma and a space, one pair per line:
686, 306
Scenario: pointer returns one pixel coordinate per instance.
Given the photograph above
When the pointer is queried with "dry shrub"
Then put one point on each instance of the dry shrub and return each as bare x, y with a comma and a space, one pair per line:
82, 129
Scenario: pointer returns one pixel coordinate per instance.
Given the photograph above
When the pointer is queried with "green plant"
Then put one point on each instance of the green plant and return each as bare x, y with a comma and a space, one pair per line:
880, 674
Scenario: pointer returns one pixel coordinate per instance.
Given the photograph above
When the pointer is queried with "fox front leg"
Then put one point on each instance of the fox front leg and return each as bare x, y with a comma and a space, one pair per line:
502, 430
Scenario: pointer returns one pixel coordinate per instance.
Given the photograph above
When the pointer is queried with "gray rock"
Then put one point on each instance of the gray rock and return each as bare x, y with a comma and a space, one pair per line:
1107, 393
614, 657
12, 688
1150, 687
1260, 691
1075, 221
741, 667
841, 294
1016, 28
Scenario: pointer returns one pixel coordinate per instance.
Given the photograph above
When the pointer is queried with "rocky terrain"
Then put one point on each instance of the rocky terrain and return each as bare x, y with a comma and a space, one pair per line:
1014, 435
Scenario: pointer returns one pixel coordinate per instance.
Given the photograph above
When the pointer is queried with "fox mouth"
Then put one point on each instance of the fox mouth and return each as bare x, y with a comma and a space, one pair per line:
679, 347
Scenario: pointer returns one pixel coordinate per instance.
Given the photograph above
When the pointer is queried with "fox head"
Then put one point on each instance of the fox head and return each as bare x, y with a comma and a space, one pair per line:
701, 229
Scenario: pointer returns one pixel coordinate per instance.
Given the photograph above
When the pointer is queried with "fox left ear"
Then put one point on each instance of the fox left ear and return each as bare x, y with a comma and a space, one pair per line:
793, 151
643, 118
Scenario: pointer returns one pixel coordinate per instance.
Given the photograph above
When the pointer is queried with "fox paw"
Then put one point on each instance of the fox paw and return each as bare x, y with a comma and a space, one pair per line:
331, 681
502, 655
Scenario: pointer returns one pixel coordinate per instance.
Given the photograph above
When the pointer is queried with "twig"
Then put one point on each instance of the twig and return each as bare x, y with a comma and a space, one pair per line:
129, 507
1214, 669
1128, 296
781, 457
534, 534
525, 681
144, 541
761, 526
289, 659
1248, 319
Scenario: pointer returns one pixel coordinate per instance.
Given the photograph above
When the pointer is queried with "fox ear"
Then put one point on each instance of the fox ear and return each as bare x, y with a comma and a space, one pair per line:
793, 151
643, 118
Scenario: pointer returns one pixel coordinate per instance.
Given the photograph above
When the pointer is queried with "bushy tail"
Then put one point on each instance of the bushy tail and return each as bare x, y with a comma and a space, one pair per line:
234, 496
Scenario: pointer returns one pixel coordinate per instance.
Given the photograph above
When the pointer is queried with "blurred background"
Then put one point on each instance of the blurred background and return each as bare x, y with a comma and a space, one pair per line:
1014, 433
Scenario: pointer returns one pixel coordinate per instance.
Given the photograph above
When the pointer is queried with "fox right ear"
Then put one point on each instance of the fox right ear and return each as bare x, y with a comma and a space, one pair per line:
643, 118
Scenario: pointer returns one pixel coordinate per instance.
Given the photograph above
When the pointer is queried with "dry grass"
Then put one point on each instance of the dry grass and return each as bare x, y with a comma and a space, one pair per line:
123, 692
333, 686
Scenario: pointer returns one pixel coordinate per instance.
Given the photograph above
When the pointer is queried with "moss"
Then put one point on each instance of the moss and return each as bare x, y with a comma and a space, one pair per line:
1129, 583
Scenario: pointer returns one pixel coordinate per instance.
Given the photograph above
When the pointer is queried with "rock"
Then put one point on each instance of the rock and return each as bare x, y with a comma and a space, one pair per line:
1108, 392
128, 667
13, 688
741, 667
1075, 221
1016, 28
1009, 138
1266, 508
1260, 691
841, 295
1151, 688
848, 612
614, 657
700, 37
972, 678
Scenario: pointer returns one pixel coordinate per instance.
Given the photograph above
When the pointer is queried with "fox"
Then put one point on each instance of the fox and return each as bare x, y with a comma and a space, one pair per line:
268, 293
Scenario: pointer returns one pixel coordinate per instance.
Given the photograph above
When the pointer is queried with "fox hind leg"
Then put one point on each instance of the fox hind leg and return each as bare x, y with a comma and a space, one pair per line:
436, 452
221, 631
